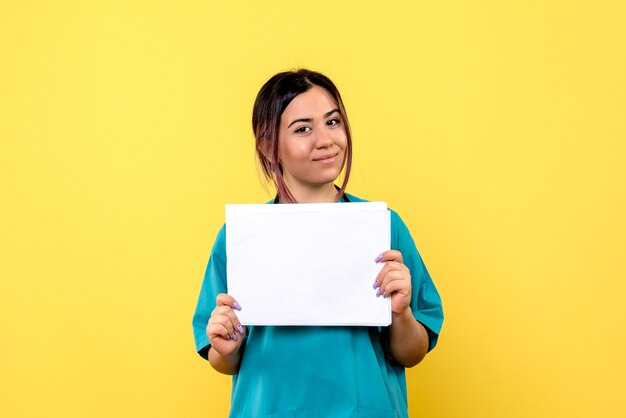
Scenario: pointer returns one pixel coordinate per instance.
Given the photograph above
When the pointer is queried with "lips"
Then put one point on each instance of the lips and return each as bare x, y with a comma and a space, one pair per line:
326, 158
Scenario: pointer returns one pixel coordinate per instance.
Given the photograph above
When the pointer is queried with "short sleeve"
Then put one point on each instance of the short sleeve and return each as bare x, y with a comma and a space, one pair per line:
425, 300
213, 284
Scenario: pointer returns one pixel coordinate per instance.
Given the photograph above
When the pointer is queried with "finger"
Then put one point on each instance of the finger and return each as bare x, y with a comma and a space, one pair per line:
217, 330
397, 286
224, 321
391, 276
389, 266
230, 314
228, 300
389, 255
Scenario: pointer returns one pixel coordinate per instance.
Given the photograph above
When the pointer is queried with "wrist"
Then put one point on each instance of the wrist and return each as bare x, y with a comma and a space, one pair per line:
225, 363
228, 357
403, 315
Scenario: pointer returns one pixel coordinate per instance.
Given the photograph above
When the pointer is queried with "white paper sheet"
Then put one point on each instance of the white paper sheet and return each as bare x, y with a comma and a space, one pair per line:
307, 264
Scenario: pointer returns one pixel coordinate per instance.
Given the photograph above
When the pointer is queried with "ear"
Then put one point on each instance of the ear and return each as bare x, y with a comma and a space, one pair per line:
263, 147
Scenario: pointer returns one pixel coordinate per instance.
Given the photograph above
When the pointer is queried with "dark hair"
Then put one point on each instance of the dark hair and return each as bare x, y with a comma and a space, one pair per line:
270, 103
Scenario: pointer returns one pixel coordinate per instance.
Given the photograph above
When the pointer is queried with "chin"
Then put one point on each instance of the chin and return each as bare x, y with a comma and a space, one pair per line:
320, 177
327, 180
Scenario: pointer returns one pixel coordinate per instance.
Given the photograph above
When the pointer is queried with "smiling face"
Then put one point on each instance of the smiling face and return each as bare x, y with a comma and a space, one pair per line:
312, 140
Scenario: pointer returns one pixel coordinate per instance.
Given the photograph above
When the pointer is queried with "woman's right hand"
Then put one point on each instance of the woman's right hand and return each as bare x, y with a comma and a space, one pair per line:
224, 329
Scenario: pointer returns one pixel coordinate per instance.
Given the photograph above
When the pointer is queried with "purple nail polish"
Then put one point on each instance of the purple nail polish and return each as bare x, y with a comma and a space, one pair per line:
240, 328
379, 292
236, 305
228, 337
380, 257
376, 283
384, 294
235, 336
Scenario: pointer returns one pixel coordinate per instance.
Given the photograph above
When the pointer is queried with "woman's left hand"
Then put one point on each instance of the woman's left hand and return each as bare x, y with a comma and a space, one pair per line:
394, 280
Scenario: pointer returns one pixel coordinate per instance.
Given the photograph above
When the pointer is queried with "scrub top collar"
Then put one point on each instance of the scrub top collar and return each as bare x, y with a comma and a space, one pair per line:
344, 197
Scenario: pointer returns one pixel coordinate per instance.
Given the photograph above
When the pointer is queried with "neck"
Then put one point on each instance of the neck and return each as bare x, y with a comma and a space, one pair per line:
324, 193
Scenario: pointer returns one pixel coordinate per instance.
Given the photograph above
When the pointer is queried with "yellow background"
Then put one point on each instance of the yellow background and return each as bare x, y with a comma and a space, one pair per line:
496, 129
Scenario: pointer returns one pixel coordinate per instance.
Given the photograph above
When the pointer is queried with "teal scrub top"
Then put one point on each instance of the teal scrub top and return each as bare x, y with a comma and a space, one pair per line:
296, 371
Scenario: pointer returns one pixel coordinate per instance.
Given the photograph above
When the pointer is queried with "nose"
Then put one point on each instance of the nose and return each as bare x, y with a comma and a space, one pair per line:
324, 139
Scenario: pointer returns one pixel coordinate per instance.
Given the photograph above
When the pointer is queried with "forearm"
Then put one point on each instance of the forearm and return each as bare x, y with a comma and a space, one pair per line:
225, 364
408, 339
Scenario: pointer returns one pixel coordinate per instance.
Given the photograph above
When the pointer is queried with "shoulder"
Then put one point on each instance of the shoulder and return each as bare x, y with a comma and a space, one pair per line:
354, 198
221, 235
219, 245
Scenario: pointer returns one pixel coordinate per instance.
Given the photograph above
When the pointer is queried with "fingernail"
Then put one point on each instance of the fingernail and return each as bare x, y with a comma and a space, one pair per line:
376, 283
240, 328
236, 305
384, 294
235, 336
379, 292
380, 257
228, 337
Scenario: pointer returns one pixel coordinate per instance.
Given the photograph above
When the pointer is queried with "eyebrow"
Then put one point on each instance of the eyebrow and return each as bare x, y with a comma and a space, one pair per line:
327, 114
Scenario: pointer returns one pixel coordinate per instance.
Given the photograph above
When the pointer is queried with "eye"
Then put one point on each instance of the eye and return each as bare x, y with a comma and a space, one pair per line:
333, 122
302, 130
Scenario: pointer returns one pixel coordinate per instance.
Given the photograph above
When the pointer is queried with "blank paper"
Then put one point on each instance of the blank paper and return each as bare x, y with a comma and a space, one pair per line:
307, 264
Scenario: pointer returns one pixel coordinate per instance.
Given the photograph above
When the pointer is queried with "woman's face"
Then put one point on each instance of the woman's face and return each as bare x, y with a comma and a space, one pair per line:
312, 139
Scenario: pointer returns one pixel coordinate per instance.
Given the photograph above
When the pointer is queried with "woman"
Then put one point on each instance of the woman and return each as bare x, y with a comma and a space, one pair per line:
303, 143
